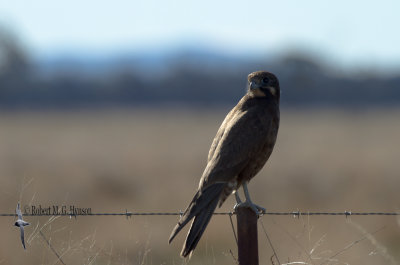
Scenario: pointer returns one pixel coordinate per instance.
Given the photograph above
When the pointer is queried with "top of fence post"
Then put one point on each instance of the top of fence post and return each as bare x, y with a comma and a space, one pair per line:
247, 236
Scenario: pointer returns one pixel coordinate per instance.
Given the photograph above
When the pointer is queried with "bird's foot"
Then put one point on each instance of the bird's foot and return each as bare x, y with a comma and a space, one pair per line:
248, 204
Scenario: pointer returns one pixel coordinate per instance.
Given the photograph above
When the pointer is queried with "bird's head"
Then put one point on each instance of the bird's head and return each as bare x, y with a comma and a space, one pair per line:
263, 84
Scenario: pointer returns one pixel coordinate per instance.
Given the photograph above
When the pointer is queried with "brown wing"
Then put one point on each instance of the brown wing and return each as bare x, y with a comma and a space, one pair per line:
220, 134
241, 140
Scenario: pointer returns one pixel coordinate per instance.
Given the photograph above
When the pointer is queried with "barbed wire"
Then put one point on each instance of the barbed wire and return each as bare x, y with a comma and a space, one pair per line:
130, 214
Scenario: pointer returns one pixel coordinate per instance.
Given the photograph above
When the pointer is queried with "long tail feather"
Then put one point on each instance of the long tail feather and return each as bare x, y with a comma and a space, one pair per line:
199, 224
201, 207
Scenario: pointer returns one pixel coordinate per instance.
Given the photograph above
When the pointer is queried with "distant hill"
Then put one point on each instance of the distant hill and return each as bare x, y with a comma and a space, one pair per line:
185, 76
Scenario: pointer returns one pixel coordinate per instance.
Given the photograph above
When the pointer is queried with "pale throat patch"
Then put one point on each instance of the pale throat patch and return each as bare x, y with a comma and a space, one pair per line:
272, 90
259, 93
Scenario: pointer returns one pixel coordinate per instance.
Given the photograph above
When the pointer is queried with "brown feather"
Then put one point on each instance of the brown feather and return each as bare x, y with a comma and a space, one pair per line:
241, 147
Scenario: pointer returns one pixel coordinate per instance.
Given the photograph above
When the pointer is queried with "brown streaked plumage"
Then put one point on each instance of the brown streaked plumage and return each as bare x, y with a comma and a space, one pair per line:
240, 149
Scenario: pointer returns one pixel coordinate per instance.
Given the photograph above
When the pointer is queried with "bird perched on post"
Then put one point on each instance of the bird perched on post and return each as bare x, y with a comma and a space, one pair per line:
21, 223
240, 149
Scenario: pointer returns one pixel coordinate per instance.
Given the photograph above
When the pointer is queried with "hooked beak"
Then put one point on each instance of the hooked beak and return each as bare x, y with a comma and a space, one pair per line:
252, 85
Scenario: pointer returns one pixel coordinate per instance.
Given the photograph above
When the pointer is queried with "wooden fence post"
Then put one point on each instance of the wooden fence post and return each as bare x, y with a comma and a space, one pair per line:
247, 236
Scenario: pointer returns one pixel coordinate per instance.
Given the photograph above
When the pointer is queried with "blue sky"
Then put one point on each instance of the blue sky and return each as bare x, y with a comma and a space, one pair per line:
351, 33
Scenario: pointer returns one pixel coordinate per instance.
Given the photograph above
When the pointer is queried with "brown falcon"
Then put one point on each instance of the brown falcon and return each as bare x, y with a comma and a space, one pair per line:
240, 149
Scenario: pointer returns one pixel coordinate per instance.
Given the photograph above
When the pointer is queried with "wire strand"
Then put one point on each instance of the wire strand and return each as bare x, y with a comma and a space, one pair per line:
270, 242
130, 214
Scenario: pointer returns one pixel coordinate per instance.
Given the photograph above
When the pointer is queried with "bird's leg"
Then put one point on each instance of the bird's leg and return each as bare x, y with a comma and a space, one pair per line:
238, 200
253, 206
248, 203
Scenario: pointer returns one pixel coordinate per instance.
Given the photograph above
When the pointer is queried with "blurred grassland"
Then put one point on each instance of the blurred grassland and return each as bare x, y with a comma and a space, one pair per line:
151, 160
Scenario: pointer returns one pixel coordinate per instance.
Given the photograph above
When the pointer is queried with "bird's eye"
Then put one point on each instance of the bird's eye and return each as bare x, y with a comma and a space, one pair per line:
265, 80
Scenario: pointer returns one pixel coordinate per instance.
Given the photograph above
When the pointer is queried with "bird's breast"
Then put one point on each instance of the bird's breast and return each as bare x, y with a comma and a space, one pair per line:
264, 152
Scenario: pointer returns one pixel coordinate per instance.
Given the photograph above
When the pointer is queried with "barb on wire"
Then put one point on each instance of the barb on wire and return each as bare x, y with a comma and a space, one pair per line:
130, 214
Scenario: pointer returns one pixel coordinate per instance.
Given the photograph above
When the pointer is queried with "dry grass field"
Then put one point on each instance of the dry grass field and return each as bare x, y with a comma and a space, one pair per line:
151, 160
